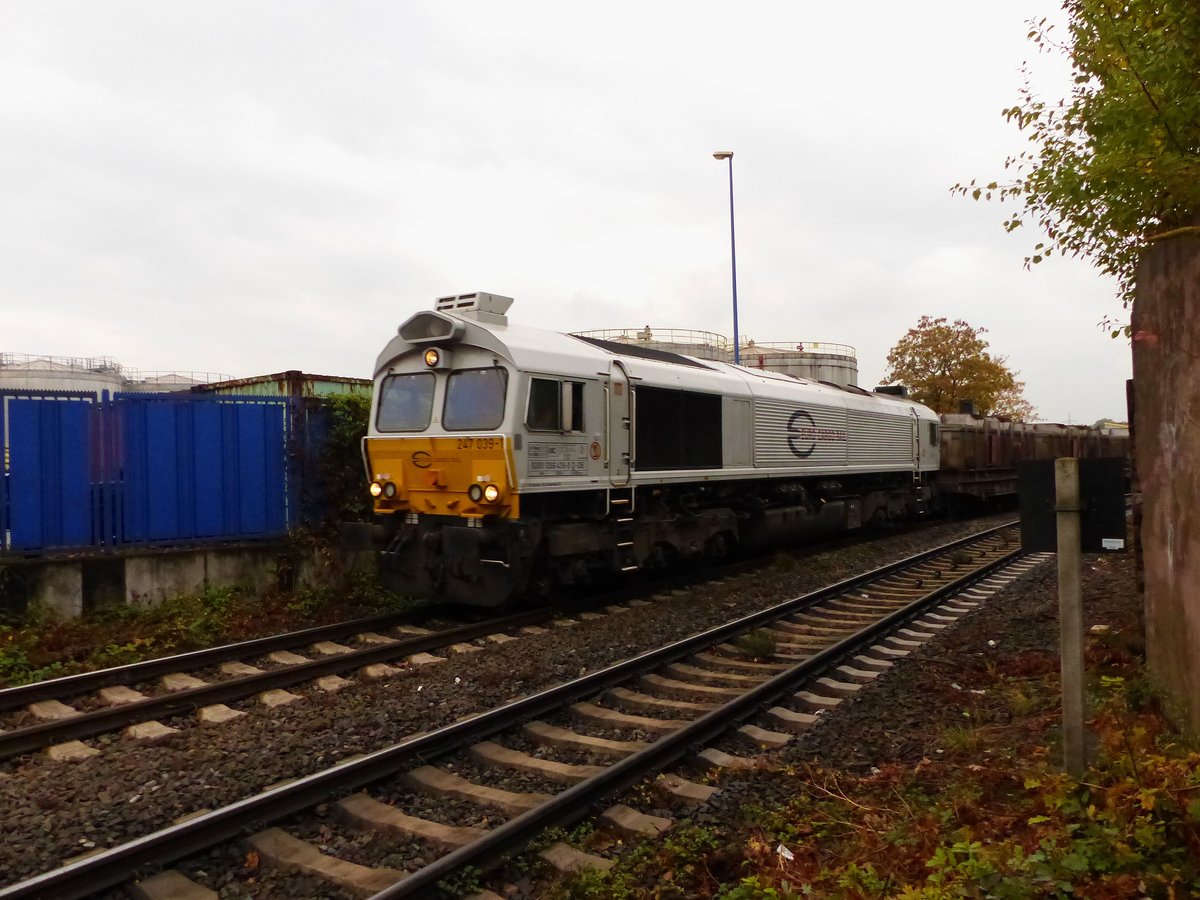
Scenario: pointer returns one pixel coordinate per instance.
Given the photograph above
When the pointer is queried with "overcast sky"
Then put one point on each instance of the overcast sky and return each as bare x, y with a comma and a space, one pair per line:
246, 187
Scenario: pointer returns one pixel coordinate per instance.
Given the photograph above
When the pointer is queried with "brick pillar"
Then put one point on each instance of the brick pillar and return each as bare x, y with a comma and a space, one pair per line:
1166, 377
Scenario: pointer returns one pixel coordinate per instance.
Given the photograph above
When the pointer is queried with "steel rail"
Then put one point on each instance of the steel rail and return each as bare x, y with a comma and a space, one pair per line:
85, 682
112, 866
578, 801
132, 673
33, 737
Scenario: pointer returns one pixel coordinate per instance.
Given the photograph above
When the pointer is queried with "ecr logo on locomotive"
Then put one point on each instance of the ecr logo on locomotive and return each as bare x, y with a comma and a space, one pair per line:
804, 434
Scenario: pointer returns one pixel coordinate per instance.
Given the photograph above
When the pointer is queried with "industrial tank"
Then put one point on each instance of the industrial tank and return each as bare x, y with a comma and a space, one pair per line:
25, 372
92, 375
813, 360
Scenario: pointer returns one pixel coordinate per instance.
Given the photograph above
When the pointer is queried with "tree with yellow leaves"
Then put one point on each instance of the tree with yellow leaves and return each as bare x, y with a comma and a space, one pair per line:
943, 363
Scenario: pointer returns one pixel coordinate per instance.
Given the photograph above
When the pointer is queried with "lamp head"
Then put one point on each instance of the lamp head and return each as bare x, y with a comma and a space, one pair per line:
723, 154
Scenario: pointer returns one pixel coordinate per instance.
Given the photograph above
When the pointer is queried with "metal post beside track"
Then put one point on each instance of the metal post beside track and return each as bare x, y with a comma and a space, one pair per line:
1070, 613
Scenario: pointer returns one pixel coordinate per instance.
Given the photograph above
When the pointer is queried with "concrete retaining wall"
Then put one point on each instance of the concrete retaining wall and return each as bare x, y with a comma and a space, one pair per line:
73, 586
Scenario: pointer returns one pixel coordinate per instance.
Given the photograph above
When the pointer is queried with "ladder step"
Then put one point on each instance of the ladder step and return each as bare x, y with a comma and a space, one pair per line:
630, 568
619, 502
625, 521
625, 543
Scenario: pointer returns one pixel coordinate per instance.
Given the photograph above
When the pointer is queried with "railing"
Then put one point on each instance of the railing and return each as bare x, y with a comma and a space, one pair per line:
710, 345
104, 365
186, 379
785, 348
650, 336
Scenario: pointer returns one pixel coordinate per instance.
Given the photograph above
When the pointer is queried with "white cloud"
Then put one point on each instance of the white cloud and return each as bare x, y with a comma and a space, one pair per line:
254, 187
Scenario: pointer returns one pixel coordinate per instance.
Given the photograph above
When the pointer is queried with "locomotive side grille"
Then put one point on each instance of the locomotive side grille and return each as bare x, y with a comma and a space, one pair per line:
880, 438
795, 435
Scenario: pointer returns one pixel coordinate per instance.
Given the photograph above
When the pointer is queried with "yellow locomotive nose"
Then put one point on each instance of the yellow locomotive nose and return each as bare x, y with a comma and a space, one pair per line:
468, 477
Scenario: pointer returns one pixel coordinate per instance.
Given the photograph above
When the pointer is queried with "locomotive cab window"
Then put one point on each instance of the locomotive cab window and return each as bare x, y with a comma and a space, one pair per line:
405, 402
933, 435
554, 405
474, 399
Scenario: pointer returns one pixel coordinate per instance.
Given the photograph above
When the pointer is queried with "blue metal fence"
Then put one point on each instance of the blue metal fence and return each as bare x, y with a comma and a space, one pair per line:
143, 469
45, 491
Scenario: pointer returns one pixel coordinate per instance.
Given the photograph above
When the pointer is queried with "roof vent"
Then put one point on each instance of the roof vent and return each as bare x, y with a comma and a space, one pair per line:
480, 306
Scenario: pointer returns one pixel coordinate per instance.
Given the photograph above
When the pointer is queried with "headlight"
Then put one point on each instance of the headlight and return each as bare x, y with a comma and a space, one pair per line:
376, 488
433, 356
491, 493
389, 489
475, 492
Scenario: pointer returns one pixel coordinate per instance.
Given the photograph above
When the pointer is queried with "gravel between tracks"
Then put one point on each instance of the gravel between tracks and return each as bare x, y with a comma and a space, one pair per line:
907, 716
52, 811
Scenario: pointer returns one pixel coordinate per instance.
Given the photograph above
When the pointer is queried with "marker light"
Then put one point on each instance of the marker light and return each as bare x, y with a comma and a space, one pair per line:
433, 356
376, 488
475, 492
389, 489
491, 493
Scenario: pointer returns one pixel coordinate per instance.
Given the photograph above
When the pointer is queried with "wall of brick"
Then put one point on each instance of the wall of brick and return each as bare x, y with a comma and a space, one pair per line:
1166, 373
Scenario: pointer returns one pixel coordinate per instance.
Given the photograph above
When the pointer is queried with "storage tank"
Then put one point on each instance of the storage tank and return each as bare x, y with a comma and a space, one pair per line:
814, 360
26, 372
92, 375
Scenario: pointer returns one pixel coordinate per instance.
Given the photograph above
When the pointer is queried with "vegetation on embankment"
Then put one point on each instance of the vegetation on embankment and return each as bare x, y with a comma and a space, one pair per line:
950, 787
45, 646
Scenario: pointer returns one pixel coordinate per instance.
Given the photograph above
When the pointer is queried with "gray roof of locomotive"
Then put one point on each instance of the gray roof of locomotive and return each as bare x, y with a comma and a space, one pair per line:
539, 351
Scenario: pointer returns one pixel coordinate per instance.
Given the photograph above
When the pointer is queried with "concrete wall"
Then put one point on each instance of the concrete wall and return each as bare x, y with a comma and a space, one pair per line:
76, 585
1166, 378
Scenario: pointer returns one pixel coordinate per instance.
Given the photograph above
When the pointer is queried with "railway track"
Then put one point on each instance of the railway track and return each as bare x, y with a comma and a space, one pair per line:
59, 713
650, 712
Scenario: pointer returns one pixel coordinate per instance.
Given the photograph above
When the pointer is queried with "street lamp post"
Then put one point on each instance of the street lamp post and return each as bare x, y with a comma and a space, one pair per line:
737, 353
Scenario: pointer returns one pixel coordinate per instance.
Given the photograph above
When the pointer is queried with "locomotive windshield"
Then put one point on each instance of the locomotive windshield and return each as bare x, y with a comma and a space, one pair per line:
405, 402
474, 399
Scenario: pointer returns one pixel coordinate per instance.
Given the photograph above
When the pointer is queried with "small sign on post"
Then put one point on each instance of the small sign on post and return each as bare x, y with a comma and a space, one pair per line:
1069, 506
